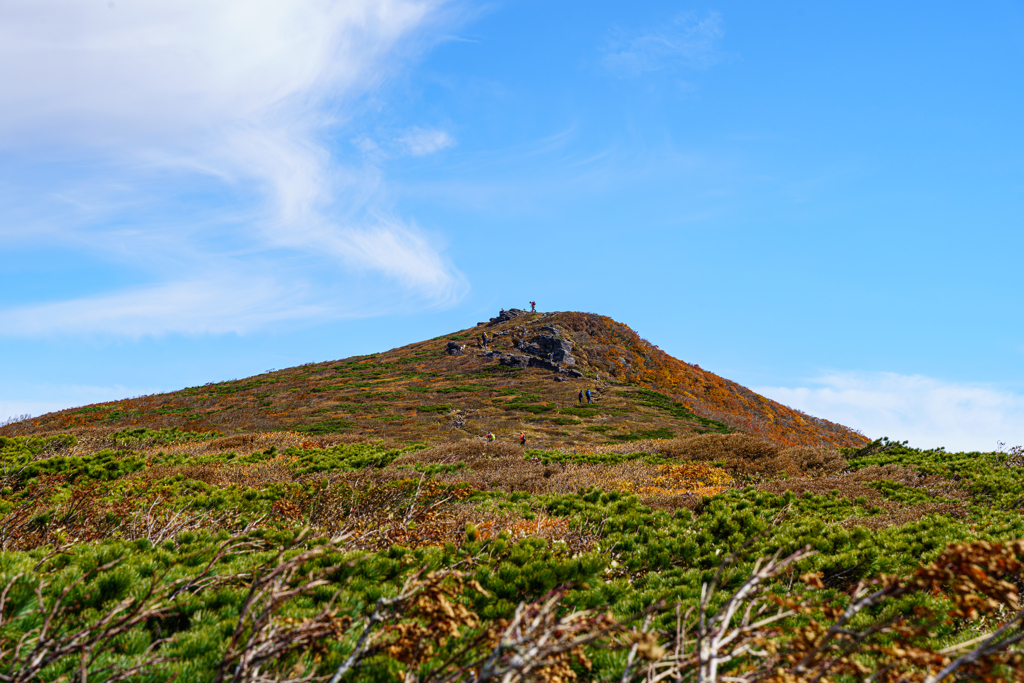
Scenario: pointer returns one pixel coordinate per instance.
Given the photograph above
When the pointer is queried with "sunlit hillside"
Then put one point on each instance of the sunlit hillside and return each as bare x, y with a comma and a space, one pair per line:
527, 380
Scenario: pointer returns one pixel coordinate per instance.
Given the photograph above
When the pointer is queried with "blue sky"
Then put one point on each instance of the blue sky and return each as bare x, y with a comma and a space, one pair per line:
823, 203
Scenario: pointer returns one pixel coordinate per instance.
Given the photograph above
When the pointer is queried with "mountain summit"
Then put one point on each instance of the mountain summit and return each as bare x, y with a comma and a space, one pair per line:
519, 373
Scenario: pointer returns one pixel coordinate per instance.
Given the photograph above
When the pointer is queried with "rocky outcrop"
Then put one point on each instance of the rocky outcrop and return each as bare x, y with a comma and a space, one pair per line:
543, 364
513, 361
455, 348
548, 348
520, 362
504, 316
552, 348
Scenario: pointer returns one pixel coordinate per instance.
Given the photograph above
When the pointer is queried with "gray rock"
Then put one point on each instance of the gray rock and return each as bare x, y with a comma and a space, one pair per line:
542, 363
573, 372
549, 346
455, 348
504, 316
513, 361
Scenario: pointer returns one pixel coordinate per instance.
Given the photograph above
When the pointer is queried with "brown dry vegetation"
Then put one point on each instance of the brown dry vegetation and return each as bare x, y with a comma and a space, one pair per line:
751, 457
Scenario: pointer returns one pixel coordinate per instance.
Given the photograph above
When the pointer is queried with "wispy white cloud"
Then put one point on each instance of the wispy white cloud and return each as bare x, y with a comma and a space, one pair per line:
926, 411
216, 305
688, 40
192, 139
422, 141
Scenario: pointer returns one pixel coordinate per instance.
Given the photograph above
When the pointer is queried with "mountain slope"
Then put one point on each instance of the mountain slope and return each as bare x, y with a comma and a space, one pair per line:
527, 379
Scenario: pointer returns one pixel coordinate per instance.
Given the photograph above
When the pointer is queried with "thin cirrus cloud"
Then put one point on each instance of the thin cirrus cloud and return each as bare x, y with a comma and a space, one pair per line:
923, 410
202, 127
687, 40
221, 305
420, 142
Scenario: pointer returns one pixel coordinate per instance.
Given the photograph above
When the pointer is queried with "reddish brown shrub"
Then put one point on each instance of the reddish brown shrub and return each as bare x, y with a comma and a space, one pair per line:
816, 461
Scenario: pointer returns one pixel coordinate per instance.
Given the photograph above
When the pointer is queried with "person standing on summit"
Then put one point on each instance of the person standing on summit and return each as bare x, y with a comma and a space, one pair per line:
533, 307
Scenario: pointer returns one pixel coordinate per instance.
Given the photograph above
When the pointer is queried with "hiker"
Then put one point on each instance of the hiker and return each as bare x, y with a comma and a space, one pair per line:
483, 341
522, 439
533, 307
588, 396
490, 437
581, 397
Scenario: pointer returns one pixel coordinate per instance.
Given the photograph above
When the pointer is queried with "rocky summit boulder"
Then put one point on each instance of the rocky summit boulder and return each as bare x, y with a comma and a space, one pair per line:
454, 348
552, 348
504, 316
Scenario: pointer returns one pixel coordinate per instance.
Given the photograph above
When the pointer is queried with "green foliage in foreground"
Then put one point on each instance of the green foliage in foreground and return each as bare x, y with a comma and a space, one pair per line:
638, 554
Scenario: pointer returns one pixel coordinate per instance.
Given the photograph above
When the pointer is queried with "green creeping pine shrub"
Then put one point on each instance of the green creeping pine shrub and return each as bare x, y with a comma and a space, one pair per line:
578, 412
520, 402
988, 477
11, 446
535, 409
653, 399
547, 457
432, 469
121, 415
127, 438
660, 433
635, 555
900, 493
439, 408
332, 387
519, 396
106, 465
331, 426
467, 388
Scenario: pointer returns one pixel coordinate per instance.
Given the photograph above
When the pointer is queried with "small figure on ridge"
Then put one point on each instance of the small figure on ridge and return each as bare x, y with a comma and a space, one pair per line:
533, 307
